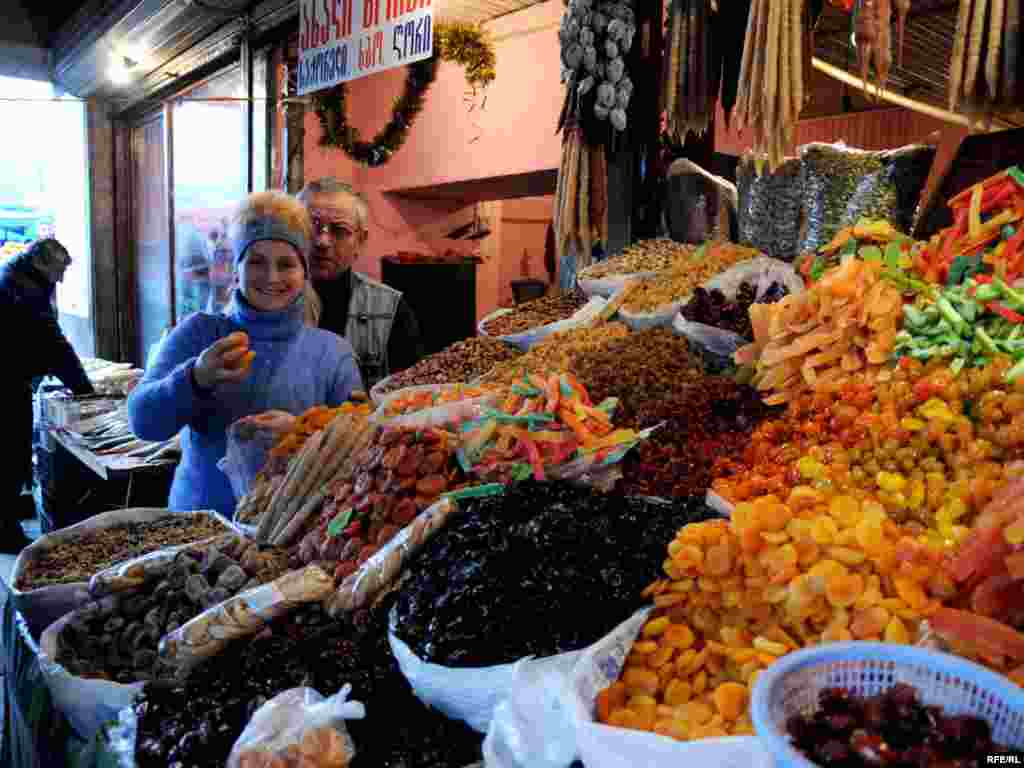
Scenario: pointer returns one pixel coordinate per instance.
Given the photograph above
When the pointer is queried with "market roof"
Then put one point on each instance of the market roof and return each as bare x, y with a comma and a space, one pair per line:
928, 49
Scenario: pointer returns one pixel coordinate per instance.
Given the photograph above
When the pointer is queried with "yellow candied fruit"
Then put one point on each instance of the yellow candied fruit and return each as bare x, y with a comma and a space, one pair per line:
843, 591
917, 494
803, 497
698, 712
896, 632
765, 645
646, 647
891, 482
655, 627
674, 729
937, 410
824, 530
911, 424
846, 510
1014, 533
811, 469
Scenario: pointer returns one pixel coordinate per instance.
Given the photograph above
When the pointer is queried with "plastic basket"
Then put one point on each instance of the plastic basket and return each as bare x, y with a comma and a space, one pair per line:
791, 686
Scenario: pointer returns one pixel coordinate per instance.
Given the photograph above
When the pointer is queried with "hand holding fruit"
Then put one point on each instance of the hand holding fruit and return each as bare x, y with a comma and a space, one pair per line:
225, 361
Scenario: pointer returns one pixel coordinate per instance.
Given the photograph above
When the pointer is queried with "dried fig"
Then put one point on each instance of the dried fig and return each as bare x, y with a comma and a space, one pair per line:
435, 462
404, 513
394, 456
432, 486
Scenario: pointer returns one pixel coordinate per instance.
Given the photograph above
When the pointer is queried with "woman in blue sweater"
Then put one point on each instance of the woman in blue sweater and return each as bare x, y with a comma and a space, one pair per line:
204, 379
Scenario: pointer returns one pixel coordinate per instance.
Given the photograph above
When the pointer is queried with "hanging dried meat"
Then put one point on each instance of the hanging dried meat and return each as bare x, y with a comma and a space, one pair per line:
873, 33
771, 92
983, 69
581, 198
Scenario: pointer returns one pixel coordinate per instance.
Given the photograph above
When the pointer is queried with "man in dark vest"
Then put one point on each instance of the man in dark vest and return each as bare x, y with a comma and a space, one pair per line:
376, 320
27, 309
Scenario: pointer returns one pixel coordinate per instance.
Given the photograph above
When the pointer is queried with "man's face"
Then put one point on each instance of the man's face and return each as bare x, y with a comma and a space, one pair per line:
338, 238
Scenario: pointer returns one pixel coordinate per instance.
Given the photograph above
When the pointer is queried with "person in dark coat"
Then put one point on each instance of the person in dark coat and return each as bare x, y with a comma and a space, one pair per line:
27, 308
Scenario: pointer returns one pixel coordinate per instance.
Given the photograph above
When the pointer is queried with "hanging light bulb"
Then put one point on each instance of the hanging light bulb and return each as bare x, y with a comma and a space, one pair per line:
119, 72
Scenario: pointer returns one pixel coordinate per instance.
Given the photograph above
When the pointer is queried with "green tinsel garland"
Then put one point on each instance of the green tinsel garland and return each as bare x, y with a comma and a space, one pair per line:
462, 44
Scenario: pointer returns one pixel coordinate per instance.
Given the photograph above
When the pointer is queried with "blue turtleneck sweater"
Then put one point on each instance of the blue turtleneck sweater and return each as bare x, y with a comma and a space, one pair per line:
296, 368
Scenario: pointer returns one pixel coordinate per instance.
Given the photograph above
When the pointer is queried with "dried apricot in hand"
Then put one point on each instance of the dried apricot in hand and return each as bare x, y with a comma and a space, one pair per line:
731, 700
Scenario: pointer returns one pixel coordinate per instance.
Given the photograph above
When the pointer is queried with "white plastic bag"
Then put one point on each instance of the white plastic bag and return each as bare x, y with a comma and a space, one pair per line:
299, 721
87, 704
521, 737
249, 442
609, 286
470, 694
380, 417
659, 318
761, 272
583, 316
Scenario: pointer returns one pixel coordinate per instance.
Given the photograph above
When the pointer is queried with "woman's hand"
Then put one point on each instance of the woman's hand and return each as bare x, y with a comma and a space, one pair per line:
226, 361
279, 423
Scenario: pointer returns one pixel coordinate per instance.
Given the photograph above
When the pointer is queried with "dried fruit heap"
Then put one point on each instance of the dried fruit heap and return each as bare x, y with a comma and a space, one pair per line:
816, 567
845, 324
703, 421
934, 447
893, 727
195, 724
398, 475
540, 555
713, 308
637, 369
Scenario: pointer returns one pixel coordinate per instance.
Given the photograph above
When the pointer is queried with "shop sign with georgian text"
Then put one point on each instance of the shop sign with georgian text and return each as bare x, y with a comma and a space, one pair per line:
341, 40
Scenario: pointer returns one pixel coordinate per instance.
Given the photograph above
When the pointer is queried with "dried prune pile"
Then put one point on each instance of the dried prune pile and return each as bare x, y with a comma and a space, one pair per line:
195, 724
892, 729
713, 308
544, 568
705, 421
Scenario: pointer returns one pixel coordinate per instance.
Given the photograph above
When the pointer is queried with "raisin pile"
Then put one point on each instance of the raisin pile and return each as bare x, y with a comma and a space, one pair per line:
195, 724
891, 729
544, 568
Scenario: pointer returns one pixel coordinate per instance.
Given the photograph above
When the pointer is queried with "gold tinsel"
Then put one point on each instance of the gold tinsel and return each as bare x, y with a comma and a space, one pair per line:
468, 46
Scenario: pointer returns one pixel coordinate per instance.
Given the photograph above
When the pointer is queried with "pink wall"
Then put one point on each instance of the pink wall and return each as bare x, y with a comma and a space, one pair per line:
523, 232
515, 133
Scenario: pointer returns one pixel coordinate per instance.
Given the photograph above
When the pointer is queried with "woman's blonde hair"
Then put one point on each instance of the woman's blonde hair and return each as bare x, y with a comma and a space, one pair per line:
276, 205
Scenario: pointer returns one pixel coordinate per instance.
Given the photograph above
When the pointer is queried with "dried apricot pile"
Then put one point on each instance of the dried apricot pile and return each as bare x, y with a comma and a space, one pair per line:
843, 327
817, 567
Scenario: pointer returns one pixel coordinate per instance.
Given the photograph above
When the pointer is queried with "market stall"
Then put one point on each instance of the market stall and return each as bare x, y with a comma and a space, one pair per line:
87, 459
723, 502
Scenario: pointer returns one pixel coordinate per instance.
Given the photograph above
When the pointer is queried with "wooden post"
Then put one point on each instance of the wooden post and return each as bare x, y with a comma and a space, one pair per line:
102, 232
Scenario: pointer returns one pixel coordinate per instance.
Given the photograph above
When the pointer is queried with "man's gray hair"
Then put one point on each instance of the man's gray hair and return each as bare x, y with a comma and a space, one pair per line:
330, 185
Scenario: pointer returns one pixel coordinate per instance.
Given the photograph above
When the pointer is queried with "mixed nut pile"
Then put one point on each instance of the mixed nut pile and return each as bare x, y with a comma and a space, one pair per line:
116, 638
76, 560
536, 313
461, 362
645, 256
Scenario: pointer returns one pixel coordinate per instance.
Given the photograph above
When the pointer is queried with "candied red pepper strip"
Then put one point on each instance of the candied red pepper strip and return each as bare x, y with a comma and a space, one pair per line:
987, 635
1004, 311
